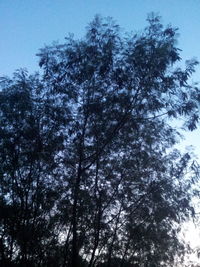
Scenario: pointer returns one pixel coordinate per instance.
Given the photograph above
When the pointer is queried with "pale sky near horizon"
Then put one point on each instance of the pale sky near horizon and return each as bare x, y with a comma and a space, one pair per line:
27, 25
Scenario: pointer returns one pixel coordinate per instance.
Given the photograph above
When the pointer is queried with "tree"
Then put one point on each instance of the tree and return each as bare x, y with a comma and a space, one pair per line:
120, 192
29, 146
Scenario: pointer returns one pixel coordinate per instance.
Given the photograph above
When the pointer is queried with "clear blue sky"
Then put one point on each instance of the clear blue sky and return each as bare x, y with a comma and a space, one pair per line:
26, 25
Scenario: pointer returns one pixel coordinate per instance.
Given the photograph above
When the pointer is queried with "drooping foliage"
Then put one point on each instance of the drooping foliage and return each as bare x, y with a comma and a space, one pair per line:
89, 176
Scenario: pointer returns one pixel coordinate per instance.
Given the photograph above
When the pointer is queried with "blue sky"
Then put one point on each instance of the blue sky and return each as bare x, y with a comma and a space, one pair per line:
27, 25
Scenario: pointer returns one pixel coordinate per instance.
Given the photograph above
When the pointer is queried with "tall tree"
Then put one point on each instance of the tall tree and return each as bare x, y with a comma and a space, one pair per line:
128, 191
113, 191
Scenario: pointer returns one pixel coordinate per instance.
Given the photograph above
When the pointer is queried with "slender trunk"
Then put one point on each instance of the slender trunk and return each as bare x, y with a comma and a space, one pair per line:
74, 258
97, 232
75, 252
113, 239
66, 248
97, 219
11, 249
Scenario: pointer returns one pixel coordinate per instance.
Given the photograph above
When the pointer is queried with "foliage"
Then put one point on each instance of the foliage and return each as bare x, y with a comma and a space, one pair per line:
88, 173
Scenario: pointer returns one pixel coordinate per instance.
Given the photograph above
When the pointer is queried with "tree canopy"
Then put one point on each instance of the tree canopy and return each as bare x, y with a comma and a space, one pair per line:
88, 170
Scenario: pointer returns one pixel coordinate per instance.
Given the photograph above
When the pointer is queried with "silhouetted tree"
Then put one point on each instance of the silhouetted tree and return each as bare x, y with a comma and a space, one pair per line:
96, 133
29, 143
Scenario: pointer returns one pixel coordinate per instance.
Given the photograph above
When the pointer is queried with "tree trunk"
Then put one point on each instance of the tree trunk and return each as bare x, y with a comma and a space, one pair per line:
74, 257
